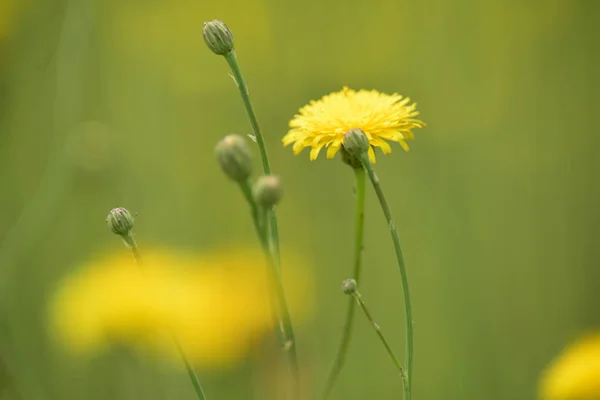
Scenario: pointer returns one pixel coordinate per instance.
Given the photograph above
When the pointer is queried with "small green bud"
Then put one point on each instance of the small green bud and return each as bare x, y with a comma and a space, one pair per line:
349, 160
267, 191
120, 221
349, 286
356, 143
217, 37
234, 157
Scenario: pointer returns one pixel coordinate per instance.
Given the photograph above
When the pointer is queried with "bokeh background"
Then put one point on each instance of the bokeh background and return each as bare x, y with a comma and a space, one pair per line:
118, 103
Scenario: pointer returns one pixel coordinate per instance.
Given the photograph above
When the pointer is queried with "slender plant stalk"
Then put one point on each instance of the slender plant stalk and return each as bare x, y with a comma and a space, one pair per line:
236, 70
269, 234
340, 358
190, 371
259, 221
283, 314
399, 257
129, 239
243, 87
356, 296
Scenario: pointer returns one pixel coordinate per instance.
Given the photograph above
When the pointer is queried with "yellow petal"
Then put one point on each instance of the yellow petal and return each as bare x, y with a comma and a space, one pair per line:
298, 147
372, 155
403, 144
333, 149
385, 147
314, 152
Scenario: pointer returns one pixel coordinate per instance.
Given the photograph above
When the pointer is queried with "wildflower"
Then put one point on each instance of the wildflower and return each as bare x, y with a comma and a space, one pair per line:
575, 374
267, 191
380, 116
349, 286
234, 157
120, 221
218, 37
216, 305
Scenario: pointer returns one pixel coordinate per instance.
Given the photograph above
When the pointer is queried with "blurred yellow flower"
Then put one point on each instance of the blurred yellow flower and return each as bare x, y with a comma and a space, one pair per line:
217, 305
324, 122
575, 374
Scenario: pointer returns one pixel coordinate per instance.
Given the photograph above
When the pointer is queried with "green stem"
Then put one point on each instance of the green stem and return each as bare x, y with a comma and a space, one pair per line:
129, 239
283, 313
404, 275
234, 65
359, 215
247, 192
356, 296
243, 87
191, 372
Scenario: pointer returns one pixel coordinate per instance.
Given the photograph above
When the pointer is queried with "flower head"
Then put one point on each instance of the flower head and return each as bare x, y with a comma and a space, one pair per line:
575, 374
380, 116
217, 37
216, 305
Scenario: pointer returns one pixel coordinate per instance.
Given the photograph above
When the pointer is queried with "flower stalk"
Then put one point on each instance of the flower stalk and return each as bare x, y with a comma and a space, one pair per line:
357, 144
236, 70
219, 40
286, 329
359, 216
121, 222
350, 287
403, 273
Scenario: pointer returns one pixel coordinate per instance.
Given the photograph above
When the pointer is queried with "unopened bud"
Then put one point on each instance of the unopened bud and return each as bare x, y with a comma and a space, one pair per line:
356, 143
350, 160
349, 286
120, 221
217, 37
234, 157
267, 191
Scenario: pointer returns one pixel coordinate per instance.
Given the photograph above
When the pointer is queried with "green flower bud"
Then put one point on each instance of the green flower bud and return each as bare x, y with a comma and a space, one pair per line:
217, 37
267, 191
120, 221
350, 160
349, 286
356, 143
234, 157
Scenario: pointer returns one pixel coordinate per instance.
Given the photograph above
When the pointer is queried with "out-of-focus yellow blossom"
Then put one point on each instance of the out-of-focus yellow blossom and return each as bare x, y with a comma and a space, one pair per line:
575, 374
380, 116
217, 305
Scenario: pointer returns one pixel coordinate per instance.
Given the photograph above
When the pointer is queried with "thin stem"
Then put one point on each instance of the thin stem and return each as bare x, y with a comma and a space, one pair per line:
284, 318
404, 275
190, 371
243, 87
356, 295
247, 192
258, 220
130, 241
234, 65
359, 215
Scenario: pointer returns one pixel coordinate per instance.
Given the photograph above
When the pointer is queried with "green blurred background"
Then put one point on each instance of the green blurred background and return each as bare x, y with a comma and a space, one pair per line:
118, 103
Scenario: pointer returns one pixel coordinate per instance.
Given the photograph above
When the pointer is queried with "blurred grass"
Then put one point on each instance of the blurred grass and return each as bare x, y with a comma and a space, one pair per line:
497, 202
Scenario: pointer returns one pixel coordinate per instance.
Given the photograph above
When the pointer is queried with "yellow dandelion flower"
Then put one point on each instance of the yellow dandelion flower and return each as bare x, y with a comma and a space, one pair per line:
575, 374
380, 116
218, 305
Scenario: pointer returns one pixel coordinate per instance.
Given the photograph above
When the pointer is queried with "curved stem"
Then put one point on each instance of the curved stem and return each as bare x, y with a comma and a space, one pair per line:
359, 215
356, 296
283, 315
243, 87
190, 371
404, 275
236, 70
130, 241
